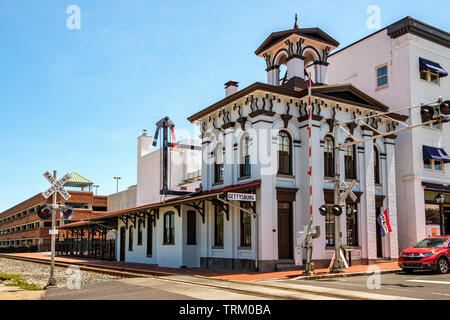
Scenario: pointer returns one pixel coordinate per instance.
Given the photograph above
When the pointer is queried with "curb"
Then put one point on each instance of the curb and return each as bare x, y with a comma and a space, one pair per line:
345, 275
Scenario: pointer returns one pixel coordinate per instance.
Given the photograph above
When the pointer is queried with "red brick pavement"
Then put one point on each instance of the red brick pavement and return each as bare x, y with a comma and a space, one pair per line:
219, 274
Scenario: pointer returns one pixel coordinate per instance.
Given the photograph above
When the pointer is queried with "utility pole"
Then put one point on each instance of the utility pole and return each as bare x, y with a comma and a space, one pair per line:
56, 187
338, 263
52, 279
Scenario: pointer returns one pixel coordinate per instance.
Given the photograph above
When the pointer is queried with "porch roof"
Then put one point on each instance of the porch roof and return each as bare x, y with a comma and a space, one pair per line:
179, 200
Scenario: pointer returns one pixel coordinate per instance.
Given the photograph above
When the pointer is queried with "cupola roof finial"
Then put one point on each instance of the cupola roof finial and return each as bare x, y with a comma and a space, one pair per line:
296, 22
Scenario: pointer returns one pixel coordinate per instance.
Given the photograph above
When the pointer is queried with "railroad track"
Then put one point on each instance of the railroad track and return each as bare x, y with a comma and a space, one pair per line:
89, 268
265, 290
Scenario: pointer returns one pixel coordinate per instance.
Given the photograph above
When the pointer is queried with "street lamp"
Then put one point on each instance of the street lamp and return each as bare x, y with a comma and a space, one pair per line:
440, 199
96, 186
117, 185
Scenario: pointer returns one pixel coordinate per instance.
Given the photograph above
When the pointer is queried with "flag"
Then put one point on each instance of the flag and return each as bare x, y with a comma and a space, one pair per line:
383, 221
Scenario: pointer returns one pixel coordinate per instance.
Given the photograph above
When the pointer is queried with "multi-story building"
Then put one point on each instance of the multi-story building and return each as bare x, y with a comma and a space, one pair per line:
255, 141
20, 225
406, 64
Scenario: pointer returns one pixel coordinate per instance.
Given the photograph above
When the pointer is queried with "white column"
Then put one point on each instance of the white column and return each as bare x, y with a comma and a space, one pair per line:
369, 199
273, 75
295, 67
391, 199
320, 69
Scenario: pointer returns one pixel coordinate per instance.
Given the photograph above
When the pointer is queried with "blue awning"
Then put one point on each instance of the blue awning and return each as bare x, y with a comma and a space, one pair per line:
435, 153
433, 67
436, 187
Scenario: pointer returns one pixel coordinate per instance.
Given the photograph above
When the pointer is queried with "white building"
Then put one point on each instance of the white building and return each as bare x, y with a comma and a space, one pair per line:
255, 140
406, 64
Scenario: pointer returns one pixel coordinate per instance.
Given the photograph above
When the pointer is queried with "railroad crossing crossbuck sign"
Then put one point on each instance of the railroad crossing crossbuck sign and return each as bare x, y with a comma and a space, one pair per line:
57, 186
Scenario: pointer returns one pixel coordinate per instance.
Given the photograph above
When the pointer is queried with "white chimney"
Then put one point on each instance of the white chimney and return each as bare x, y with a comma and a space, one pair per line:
231, 87
144, 144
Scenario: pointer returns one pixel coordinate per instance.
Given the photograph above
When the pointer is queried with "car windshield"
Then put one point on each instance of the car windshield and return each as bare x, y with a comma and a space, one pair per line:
431, 243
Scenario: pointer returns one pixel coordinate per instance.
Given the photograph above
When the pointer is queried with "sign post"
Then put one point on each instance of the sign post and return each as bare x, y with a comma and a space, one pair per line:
57, 187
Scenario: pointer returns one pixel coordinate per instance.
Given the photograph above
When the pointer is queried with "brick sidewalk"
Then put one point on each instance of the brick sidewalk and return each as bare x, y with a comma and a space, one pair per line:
218, 274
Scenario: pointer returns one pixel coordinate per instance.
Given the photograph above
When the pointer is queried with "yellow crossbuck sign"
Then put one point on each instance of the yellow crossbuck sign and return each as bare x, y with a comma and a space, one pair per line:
57, 186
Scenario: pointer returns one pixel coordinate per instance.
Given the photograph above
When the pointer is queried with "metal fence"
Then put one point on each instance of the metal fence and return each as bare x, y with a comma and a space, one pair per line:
95, 249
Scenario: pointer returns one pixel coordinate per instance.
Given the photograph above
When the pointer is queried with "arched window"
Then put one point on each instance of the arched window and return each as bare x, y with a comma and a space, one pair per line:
245, 168
328, 156
376, 165
218, 164
284, 153
169, 228
130, 238
218, 225
139, 241
350, 160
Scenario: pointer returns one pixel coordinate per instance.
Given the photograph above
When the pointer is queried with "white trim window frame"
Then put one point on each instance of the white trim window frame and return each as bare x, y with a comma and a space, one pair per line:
435, 166
382, 78
430, 77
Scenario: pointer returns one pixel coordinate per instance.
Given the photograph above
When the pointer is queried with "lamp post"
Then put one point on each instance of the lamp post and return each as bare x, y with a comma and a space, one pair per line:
96, 186
117, 184
440, 199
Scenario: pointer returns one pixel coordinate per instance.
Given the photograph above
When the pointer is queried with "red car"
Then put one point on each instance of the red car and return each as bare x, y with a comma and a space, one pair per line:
429, 254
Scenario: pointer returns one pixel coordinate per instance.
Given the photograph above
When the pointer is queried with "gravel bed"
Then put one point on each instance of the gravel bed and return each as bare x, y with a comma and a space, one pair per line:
39, 273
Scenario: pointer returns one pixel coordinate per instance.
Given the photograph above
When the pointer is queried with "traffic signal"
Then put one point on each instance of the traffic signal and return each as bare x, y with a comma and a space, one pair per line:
45, 212
444, 108
67, 212
337, 210
323, 210
351, 211
427, 113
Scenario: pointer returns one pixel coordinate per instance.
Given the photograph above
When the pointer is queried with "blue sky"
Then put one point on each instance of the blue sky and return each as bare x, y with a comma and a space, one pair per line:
76, 100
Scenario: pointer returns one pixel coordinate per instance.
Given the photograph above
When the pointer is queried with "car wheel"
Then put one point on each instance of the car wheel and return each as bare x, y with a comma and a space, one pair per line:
442, 266
408, 270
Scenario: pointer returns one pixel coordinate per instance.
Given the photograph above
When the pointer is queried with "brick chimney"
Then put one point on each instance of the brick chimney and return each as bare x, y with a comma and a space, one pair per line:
231, 87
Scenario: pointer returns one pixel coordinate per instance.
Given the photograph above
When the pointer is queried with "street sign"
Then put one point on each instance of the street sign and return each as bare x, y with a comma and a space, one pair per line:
55, 232
57, 186
248, 197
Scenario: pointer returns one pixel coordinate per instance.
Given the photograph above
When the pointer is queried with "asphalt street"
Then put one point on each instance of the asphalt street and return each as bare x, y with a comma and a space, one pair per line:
145, 289
419, 285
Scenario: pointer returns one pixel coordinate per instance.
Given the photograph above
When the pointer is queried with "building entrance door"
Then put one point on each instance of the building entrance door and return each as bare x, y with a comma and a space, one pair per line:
285, 239
123, 232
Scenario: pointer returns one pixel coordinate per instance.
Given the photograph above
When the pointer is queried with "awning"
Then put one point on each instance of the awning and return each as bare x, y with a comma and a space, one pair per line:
436, 187
435, 153
433, 67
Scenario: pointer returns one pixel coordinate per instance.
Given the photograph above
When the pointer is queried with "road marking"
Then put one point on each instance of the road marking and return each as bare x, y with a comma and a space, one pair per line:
430, 281
441, 294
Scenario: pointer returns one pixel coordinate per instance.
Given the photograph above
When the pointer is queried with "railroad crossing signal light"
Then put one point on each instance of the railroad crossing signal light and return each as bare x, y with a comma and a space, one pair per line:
427, 113
67, 212
351, 211
444, 108
45, 212
337, 210
323, 210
